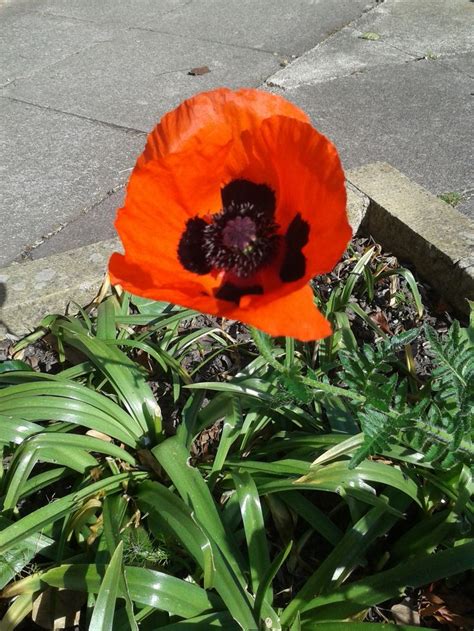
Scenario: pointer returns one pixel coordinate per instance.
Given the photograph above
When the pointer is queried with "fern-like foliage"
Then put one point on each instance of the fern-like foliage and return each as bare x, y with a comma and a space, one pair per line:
447, 427
391, 404
453, 380
436, 420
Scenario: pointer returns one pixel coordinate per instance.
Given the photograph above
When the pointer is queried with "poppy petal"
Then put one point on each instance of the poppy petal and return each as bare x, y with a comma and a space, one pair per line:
294, 315
279, 317
219, 115
162, 196
139, 280
304, 169
234, 205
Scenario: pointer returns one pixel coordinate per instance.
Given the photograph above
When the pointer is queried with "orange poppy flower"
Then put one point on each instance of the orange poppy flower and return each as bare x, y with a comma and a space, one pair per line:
235, 204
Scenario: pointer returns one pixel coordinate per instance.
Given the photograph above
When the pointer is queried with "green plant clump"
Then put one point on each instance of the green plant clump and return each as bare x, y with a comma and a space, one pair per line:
452, 198
298, 486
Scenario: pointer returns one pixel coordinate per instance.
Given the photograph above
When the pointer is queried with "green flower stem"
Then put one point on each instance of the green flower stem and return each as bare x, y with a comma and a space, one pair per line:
334, 390
265, 350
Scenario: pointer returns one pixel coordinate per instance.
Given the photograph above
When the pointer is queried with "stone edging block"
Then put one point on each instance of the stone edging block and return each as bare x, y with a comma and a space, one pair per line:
31, 290
420, 228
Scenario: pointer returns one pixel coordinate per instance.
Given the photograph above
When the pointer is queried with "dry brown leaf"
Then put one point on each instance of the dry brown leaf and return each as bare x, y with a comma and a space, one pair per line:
381, 321
96, 473
454, 620
195, 72
432, 602
405, 613
99, 435
394, 287
448, 608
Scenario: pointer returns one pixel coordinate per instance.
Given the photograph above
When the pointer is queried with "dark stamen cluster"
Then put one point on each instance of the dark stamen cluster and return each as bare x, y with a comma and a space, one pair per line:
241, 239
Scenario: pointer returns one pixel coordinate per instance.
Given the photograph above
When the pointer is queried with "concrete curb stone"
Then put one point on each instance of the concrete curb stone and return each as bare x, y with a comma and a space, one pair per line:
29, 291
421, 228
402, 216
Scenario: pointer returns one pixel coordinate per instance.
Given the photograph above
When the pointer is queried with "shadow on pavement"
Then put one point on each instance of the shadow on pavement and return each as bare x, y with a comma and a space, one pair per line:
3, 299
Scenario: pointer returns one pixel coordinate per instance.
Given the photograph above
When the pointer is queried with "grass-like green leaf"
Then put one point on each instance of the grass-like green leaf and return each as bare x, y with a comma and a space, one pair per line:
412, 284
345, 556
254, 527
168, 513
105, 324
17, 612
40, 518
352, 598
11, 365
174, 458
339, 625
219, 620
58, 399
15, 430
367, 472
103, 615
268, 577
122, 373
313, 515
15, 558
146, 586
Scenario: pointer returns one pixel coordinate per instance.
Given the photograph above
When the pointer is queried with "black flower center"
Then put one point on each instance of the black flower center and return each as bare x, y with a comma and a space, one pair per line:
242, 239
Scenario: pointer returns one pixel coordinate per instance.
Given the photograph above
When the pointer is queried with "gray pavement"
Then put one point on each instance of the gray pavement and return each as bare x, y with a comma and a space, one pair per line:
397, 86
82, 81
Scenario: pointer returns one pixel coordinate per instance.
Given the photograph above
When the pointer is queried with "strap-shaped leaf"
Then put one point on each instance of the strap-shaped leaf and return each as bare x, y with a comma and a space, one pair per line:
254, 527
169, 513
103, 615
37, 520
122, 373
352, 598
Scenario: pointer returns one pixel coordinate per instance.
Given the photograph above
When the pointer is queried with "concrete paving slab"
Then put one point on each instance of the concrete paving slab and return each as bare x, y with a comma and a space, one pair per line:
412, 114
466, 206
344, 54
423, 27
92, 226
288, 28
140, 13
35, 289
29, 42
54, 166
463, 62
416, 116
134, 79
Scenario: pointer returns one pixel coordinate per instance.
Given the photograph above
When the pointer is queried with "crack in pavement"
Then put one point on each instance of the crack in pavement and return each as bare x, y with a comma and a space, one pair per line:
139, 132
54, 63
121, 26
330, 36
25, 254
